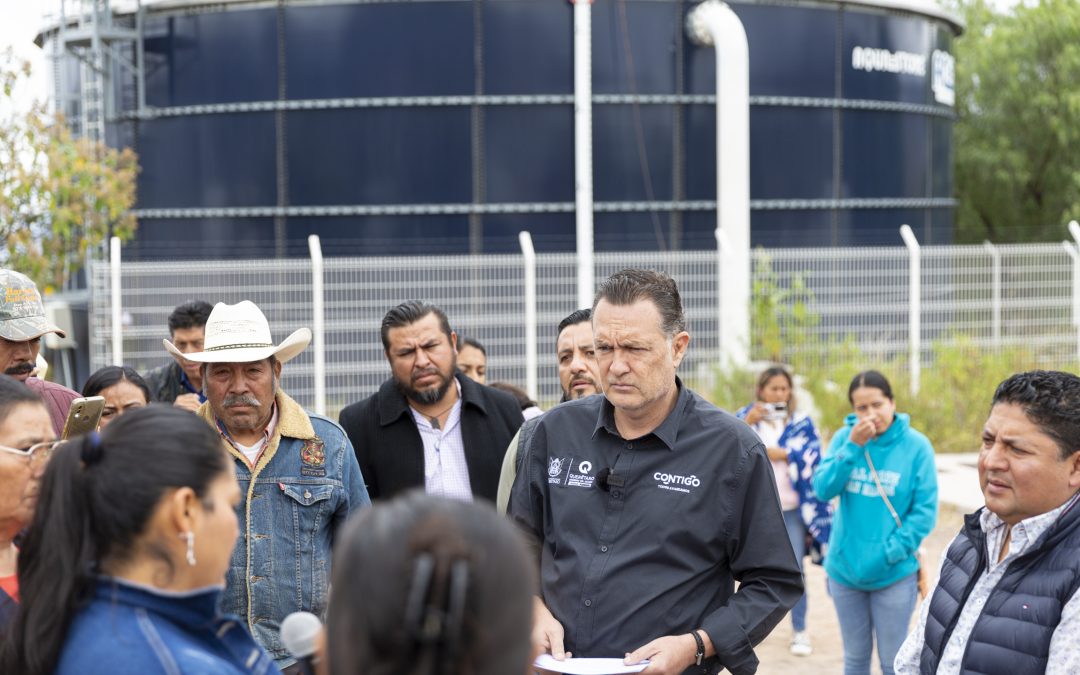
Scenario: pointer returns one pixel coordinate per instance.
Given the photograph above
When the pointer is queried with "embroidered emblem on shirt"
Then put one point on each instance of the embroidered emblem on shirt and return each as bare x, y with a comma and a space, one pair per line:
561, 472
555, 466
313, 455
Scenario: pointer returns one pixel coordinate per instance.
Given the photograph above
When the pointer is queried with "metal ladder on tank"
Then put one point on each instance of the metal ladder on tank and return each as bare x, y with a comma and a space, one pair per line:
96, 41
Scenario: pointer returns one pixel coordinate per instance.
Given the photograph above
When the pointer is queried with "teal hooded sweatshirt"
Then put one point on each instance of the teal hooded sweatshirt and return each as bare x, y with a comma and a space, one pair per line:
867, 551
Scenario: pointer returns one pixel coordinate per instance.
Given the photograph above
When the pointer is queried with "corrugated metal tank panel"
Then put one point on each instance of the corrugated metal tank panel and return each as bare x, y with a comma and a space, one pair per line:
891, 150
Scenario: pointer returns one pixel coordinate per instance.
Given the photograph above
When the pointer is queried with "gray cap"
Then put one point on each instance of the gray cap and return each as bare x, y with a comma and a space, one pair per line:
22, 316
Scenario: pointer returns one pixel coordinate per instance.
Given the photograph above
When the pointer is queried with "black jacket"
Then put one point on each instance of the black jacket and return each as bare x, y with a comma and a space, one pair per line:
164, 383
391, 452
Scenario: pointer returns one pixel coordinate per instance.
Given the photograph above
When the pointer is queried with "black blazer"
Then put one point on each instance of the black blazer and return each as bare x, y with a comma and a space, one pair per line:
391, 452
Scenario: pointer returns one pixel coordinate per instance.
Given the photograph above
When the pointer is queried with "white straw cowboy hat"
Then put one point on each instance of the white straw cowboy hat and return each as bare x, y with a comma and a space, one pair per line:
240, 333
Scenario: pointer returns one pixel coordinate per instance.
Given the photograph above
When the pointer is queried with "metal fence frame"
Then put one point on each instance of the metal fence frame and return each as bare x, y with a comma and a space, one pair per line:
893, 303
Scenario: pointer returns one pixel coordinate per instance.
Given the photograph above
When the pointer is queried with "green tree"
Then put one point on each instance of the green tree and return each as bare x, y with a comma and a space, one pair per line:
1018, 126
59, 195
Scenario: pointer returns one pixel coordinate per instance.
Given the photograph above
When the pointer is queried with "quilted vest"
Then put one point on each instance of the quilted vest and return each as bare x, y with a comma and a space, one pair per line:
1013, 632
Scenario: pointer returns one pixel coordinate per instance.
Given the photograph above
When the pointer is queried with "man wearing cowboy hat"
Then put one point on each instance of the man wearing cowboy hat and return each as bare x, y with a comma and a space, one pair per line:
297, 470
22, 323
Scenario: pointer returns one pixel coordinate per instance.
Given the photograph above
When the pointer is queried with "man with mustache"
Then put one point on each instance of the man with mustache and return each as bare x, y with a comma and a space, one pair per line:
1006, 600
578, 378
296, 470
22, 323
428, 425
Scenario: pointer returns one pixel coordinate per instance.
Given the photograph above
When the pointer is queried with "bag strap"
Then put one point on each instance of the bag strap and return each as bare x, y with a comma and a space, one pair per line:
881, 491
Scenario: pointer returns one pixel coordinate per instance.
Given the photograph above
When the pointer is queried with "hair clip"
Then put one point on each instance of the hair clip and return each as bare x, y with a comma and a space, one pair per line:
92, 449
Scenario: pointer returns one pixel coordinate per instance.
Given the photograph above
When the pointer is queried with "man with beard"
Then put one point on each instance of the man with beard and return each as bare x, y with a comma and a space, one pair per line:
296, 470
22, 323
428, 425
578, 378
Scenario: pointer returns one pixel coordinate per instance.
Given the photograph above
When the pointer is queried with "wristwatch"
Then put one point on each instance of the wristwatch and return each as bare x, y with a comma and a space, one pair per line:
700, 647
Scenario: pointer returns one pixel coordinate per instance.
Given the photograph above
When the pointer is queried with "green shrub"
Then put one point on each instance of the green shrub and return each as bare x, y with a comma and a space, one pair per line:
954, 393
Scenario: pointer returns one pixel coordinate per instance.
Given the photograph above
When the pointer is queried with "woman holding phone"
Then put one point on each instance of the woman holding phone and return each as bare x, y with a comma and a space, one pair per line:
794, 450
883, 472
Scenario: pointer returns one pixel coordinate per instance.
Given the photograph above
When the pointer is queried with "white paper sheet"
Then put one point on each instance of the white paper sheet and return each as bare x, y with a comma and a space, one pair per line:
587, 666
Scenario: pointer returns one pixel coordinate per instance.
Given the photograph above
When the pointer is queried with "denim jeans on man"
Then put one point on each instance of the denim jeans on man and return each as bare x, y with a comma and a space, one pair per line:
864, 615
796, 532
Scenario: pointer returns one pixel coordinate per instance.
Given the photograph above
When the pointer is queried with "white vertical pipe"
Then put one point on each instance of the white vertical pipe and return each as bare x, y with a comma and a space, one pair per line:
318, 310
914, 304
531, 362
115, 303
713, 22
995, 291
583, 161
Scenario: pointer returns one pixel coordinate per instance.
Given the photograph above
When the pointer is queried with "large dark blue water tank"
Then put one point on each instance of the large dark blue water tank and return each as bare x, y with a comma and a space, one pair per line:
447, 125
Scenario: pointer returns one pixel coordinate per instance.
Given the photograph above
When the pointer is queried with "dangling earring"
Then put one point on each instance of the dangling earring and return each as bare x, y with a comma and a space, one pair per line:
190, 538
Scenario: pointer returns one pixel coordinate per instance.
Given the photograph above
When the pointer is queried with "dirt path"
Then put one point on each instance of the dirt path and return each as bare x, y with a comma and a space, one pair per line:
828, 656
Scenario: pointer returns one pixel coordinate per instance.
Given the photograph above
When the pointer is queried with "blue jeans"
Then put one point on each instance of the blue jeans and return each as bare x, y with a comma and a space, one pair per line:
884, 613
796, 532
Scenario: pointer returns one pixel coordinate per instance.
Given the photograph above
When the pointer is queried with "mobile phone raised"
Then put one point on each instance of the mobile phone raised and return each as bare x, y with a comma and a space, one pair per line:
83, 416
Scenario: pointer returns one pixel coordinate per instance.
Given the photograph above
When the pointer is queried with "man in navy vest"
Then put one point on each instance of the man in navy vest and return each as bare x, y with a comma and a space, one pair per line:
1006, 600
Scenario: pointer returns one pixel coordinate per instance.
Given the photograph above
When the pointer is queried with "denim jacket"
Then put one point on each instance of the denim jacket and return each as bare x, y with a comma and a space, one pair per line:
128, 628
305, 485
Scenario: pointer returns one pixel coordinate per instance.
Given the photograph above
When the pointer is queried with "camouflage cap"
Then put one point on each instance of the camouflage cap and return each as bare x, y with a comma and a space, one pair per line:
22, 316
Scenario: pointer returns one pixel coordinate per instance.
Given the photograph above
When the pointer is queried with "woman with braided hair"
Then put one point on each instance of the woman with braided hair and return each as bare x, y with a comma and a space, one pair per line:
430, 586
124, 562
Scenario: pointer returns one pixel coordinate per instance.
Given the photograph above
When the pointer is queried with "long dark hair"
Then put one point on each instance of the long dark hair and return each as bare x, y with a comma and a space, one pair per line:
447, 589
770, 373
96, 498
103, 378
872, 379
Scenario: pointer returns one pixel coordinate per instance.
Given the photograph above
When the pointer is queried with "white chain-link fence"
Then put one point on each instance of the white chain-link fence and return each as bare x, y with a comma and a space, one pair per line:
1025, 298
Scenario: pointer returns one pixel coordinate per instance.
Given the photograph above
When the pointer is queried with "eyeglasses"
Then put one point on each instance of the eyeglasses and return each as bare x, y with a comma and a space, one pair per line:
38, 453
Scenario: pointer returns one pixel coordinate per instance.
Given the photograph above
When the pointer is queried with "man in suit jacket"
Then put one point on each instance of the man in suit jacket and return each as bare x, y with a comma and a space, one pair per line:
429, 426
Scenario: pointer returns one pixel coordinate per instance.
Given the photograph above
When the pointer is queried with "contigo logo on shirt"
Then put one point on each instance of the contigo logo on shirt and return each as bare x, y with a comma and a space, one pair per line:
670, 481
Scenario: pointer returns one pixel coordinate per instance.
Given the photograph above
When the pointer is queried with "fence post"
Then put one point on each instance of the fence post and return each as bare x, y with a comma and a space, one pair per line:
914, 304
529, 253
318, 324
115, 304
995, 291
1075, 291
722, 251
1074, 253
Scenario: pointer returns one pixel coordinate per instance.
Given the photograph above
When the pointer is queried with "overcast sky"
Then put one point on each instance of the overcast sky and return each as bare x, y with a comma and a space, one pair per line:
19, 22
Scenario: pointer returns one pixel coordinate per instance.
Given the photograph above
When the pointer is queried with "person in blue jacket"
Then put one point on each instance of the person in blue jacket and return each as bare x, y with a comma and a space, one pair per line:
883, 472
124, 563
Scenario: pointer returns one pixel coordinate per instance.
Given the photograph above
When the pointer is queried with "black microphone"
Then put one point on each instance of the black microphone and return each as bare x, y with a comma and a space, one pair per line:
299, 633
607, 478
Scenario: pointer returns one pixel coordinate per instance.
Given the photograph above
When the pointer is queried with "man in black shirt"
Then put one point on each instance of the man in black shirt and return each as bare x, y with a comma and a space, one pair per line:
649, 503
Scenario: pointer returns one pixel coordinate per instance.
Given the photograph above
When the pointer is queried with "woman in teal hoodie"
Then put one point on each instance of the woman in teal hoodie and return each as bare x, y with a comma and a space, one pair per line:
883, 472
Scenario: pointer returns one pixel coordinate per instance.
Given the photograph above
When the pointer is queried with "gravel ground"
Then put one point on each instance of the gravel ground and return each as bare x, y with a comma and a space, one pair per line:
828, 656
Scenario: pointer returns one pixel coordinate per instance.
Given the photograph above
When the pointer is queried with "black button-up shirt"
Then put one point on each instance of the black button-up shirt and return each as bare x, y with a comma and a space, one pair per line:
646, 537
